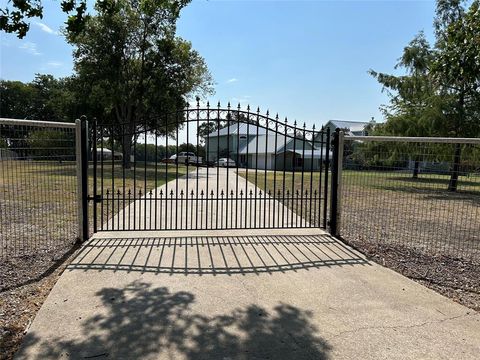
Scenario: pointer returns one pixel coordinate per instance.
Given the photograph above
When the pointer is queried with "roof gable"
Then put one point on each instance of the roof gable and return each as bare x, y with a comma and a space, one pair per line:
266, 144
240, 128
353, 126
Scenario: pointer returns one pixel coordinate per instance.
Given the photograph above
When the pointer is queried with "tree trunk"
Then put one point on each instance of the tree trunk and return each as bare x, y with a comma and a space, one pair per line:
415, 169
127, 132
460, 119
452, 184
127, 149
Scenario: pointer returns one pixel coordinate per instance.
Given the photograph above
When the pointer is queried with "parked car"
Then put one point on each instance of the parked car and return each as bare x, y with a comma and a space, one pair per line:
187, 158
170, 160
224, 162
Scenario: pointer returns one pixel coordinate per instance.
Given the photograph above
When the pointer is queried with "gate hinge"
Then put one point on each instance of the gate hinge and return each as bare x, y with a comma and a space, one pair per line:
96, 198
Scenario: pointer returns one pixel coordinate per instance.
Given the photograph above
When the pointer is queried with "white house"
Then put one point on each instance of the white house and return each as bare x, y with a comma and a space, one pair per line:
107, 154
256, 147
352, 128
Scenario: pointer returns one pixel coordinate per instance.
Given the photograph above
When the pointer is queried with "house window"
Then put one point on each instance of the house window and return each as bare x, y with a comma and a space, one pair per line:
298, 161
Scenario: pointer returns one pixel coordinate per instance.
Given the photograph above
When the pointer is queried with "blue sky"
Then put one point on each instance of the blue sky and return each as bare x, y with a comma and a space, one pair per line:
307, 60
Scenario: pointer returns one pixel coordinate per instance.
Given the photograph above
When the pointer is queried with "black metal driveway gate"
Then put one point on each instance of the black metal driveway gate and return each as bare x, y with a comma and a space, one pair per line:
209, 168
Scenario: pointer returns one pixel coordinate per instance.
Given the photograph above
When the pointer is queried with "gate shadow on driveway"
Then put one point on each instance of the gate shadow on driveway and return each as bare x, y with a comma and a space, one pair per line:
215, 255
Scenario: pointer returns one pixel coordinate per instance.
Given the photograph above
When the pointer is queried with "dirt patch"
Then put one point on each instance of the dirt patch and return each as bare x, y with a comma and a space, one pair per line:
25, 283
452, 277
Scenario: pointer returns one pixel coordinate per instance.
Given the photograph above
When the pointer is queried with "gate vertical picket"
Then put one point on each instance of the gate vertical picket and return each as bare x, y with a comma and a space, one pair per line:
235, 139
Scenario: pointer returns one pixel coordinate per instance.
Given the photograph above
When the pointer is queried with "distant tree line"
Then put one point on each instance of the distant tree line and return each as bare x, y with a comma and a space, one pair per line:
44, 98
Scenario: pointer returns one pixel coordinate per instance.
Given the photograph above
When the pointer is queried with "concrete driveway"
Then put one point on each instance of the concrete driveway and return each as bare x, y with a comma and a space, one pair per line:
283, 294
211, 198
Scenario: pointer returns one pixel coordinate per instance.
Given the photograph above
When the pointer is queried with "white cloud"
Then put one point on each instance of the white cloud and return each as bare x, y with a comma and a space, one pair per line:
45, 28
232, 80
30, 47
54, 63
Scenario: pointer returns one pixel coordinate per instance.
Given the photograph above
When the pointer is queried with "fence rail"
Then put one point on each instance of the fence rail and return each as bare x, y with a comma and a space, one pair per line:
419, 139
418, 193
36, 123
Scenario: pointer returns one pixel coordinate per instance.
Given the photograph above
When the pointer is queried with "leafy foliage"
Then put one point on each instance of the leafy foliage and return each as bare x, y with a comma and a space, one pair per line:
44, 98
3, 143
133, 69
440, 93
14, 18
50, 144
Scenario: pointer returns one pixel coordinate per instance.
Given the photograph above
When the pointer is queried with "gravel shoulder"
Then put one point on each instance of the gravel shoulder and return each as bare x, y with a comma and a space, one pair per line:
25, 283
452, 277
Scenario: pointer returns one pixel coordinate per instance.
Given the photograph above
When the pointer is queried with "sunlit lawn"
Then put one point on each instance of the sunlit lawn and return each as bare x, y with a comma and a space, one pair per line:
38, 199
381, 180
139, 177
37, 196
392, 206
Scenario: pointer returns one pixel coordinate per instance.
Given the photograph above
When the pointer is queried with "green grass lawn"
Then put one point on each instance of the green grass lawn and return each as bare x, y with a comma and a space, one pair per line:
391, 206
289, 187
403, 181
24, 178
38, 199
289, 181
372, 180
136, 177
37, 196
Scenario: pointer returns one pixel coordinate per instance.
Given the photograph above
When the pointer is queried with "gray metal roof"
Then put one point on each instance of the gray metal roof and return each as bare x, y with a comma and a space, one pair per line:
353, 126
241, 128
317, 154
266, 143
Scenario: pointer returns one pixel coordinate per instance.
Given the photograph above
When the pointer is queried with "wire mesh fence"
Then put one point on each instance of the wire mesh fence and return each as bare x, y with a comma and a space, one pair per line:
416, 194
38, 187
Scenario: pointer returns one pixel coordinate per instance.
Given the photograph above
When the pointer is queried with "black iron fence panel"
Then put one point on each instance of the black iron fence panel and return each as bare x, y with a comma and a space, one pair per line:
38, 188
209, 168
420, 195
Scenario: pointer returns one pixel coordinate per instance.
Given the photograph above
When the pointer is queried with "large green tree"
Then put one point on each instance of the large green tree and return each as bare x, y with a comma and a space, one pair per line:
129, 62
440, 93
456, 70
16, 99
414, 107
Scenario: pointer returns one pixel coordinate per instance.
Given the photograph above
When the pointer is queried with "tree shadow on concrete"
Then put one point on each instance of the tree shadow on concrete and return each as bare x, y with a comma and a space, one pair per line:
142, 322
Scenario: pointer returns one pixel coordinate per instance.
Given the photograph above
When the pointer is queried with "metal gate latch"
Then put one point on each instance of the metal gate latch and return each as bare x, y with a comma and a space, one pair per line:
96, 198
